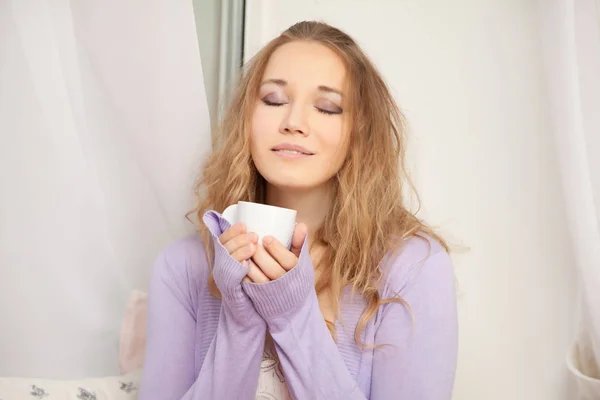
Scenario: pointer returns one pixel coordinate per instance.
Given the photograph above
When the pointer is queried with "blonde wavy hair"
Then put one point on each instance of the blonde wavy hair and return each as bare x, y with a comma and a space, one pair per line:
367, 219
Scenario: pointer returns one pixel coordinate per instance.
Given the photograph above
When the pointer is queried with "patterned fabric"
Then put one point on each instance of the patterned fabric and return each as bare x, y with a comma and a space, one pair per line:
124, 387
271, 382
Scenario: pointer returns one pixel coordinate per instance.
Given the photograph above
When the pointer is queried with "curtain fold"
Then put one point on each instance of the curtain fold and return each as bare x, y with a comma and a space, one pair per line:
104, 123
570, 33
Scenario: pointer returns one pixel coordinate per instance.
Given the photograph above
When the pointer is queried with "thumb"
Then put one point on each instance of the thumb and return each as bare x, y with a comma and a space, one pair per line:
300, 233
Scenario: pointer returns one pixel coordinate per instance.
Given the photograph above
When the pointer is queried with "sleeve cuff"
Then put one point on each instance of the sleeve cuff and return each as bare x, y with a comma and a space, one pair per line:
227, 272
286, 294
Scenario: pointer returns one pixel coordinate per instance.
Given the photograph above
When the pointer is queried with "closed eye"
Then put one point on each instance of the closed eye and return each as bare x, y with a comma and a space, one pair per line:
329, 112
271, 103
328, 107
321, 110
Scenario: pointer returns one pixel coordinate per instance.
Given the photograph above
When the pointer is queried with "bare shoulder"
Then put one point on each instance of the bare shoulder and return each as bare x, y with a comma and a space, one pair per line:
418, 256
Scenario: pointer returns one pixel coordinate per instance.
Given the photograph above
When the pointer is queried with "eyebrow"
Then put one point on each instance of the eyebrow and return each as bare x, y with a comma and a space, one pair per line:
322, 88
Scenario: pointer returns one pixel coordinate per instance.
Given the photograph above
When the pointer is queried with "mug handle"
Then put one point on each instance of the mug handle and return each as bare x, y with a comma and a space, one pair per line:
230, 213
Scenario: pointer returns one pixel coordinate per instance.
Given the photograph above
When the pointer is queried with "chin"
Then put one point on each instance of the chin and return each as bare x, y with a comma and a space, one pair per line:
292, 181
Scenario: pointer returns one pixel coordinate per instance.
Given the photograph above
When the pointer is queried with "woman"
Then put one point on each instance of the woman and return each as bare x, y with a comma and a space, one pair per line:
363, 306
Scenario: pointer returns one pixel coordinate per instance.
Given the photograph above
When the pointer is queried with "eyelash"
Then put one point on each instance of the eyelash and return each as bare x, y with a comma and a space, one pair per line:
326, 112
270, 103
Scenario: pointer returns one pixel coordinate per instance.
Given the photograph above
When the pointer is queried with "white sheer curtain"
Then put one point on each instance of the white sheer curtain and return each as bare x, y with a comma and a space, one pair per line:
570, 32
103, 120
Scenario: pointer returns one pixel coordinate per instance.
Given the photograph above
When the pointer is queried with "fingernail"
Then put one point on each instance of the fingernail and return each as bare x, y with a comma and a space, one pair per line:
253, 237
267, 239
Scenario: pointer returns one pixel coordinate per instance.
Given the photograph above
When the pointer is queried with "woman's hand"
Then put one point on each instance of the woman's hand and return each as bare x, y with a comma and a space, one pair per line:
273, 260
240, 244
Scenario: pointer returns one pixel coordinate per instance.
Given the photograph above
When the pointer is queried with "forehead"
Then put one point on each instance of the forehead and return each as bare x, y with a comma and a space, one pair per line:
306, 63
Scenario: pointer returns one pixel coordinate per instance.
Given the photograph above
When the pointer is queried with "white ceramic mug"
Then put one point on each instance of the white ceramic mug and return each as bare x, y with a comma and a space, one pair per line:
264, 220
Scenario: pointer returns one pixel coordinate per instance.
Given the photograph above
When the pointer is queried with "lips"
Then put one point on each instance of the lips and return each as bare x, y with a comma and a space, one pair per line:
292, 149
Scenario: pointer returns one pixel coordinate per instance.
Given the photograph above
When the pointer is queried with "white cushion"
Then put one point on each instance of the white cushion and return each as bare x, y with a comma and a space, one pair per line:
123, 387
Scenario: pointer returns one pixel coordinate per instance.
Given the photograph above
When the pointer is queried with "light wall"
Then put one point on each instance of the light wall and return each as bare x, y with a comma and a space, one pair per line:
469, 76
207, 14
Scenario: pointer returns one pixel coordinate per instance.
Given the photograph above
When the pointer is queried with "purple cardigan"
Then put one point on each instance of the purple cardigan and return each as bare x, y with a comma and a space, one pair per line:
203, 348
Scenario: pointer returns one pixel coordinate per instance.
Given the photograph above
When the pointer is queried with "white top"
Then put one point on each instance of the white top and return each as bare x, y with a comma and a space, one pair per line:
271, 382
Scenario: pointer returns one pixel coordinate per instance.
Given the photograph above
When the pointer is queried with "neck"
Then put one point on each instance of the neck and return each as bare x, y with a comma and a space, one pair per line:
312, 205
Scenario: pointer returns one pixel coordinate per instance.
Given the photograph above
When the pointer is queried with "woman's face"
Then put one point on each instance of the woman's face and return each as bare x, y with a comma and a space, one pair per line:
298, 135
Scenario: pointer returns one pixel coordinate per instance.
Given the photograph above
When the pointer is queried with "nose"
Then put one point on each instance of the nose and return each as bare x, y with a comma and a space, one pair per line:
295, 121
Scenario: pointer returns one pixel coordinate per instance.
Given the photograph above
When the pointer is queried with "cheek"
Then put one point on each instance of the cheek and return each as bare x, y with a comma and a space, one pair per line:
335, 141
256, 124
265, 121
258, 128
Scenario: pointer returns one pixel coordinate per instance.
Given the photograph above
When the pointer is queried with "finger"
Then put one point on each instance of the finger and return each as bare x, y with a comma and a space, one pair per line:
244, 253
300, 233
267, 264
246, 278
256, 275
239, 241
233, 231
283, 256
